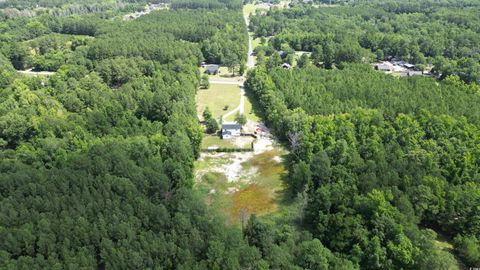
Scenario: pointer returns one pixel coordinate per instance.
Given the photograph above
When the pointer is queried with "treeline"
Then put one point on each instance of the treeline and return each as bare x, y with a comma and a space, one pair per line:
207, 4
377, 168
442, 35
212, 36
96, 164
24, 4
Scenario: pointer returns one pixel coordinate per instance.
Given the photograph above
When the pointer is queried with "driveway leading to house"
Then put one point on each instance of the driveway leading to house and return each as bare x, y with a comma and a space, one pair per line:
241, 107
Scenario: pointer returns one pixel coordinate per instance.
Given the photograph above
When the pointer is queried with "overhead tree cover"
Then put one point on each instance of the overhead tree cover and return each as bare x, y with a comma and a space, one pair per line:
96, 163
97, 158
377, 166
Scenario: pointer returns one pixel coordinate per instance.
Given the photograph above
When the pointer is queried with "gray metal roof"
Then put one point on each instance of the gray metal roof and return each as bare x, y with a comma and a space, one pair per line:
231, 126
212, 67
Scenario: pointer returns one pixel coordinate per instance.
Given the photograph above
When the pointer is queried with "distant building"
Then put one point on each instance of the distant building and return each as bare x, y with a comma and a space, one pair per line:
212, 69
286, 66
383, 67
230, 130
411, 73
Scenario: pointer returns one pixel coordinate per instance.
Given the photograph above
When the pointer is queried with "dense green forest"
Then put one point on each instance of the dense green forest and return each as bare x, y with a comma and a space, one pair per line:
439, 34
97, 159
35, 42
379, 161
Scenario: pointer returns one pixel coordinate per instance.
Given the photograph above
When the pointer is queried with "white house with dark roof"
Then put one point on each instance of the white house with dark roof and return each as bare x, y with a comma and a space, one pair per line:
212, 69
231, 130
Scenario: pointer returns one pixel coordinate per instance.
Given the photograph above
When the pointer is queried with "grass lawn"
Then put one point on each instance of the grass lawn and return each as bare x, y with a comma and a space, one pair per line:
213, 140
217, 97
249, 113
255, 43
248, 9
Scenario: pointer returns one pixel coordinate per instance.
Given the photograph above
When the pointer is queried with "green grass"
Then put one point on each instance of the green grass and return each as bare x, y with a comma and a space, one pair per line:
217, 97
223, 73
248, 9
249, 112
213, 140
262, 196
255, 43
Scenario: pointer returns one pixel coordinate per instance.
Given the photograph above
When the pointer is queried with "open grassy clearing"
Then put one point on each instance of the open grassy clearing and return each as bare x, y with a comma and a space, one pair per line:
249, 112
249, 9
262, 196
255, 43
444, 243
220, 98
258, 191
216, 141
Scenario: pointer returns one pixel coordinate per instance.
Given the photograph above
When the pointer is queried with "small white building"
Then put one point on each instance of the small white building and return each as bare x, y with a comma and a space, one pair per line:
231, 130
286, 66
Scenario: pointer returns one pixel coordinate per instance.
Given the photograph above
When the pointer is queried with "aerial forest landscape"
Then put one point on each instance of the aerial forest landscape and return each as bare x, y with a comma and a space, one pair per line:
240, 134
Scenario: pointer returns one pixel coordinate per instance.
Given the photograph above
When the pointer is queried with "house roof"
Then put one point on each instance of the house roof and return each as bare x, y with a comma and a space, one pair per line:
212, 67
383, 67
231, 126
415, 73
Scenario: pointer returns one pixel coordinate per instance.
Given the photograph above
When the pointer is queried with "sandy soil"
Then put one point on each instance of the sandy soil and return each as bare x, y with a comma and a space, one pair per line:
231, 164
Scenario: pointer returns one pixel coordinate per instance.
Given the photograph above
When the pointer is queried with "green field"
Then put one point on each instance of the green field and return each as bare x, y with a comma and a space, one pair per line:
217, 97
249, 113
216, 141
248, 9
255, 43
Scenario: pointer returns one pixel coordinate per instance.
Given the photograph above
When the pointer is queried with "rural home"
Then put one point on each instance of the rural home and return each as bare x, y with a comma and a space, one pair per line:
230, 130
286, 66
383, 67
212, 69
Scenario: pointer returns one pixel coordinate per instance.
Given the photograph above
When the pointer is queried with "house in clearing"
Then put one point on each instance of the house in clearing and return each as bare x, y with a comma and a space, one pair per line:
231, 130
414, 73
383, 67
212, 69
286, 66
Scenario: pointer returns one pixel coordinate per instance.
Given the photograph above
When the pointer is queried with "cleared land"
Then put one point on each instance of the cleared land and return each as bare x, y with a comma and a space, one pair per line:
220, 98
223, 73
248, 110
242, 183
216, 141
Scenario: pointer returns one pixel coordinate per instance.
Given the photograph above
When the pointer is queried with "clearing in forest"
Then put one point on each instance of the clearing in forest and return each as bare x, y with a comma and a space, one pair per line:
220, 98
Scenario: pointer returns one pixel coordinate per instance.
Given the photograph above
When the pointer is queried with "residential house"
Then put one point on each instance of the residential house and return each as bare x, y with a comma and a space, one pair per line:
383, 67
231, 130
212, 69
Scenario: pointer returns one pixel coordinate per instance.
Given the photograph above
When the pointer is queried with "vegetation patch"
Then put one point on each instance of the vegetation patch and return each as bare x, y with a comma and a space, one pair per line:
254, 199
